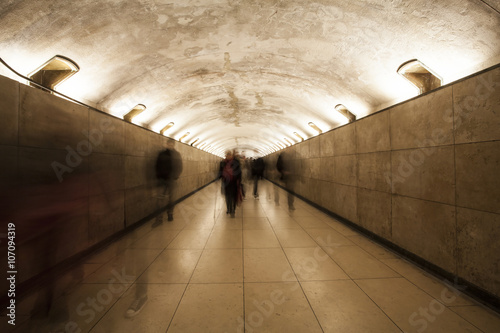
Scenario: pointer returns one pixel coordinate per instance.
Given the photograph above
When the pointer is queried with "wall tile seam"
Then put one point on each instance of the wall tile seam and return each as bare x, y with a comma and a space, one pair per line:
476, 142
423, 147
421, 199
453, 133
478, 210
18, 111
371, 151
375, 190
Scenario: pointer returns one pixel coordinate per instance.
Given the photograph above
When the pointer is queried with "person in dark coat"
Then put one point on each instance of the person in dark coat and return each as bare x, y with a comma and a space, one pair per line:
258, 167
285, 168
168, 170
230, 174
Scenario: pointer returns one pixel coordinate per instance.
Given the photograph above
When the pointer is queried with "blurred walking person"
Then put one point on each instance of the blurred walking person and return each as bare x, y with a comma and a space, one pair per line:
285, 168
230, 174
258, 167
168, 170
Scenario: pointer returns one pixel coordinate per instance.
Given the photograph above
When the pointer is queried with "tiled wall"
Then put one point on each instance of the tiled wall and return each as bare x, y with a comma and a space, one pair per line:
423, 174
78, 171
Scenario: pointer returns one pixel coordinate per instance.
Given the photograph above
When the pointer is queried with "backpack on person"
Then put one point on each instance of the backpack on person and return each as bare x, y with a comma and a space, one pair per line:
164, 164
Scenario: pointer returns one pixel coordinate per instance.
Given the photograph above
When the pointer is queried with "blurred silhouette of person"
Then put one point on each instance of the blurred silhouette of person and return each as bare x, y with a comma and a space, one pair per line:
257, 167
285, 168
230, 174
168, 170
45, 215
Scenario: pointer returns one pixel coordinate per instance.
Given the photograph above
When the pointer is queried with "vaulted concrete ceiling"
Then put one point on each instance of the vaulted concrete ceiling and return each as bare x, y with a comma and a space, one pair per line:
246, 74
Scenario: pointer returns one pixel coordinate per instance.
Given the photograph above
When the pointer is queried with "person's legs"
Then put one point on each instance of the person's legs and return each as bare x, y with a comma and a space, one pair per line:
160, 201
171, 188
291, 198
255, 186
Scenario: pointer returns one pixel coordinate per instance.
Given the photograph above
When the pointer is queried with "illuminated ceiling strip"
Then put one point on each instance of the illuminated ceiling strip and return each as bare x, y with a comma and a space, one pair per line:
164, 129
54, 72
299, 136
340, 108
313, 125
138, 109
182, 137
419, 75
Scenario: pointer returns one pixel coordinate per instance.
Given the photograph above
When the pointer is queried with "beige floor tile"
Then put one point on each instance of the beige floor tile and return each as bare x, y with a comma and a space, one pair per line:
358, 264
256, 223
172, 266
200, 224
267, 265
259, 239
84, 306
278, 307
228, 223
190, 239
483, 318
301, 211
378, 251
342, 228
189, 213
328, 237
284, 223
176, 224
132, 262
310, 264
155, 239
155, 317
253, 213
341, 306
209, 308
310, 222
412, 309
438, 289
219, 266
222, 238
294, 238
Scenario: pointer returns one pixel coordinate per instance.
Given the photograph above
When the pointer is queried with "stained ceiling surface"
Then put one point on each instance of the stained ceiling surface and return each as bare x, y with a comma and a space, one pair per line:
246, 74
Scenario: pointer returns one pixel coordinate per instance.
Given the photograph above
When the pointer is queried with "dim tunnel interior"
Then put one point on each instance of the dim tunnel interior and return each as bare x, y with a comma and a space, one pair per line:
377, 124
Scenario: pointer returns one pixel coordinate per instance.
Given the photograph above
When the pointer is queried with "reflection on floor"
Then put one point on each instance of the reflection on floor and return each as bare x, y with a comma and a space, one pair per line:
270, 269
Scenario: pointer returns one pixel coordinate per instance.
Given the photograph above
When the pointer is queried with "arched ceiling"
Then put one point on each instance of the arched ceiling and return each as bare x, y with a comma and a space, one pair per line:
246, 74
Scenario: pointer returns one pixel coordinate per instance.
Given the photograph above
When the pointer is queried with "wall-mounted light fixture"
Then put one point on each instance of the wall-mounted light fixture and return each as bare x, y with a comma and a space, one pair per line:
54, 72
182, 137
313, 125
419, 75
299, 136
192, 143
138, 109
288, 141
164, 129
340, 108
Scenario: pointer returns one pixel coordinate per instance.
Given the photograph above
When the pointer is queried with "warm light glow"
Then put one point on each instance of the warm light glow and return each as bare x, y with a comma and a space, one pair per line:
182, 137
164, 129
138, 109
288, 141
299, 136
340, 108
419, 75
54, 72
313, 125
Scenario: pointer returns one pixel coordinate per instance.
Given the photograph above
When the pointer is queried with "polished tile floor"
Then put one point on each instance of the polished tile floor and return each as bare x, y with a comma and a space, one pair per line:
267, 270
